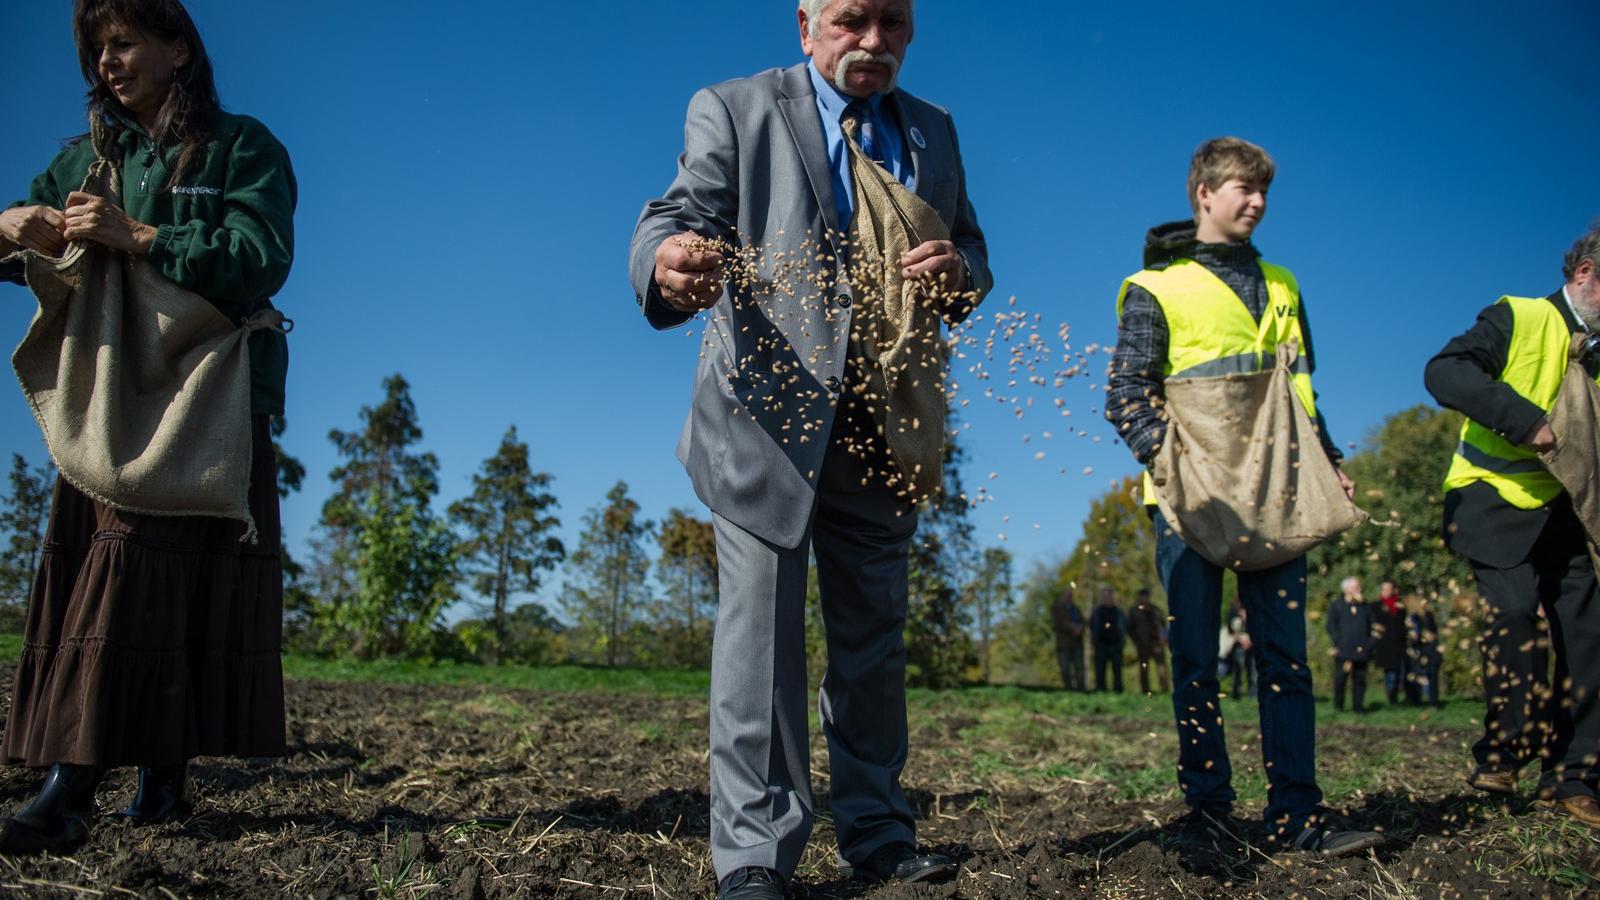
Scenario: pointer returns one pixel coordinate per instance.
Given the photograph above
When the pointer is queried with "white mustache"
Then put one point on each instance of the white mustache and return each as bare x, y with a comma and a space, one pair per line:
857, 57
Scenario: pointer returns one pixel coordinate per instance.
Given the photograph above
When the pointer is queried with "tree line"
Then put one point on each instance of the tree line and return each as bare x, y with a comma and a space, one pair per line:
386, 567
390, 569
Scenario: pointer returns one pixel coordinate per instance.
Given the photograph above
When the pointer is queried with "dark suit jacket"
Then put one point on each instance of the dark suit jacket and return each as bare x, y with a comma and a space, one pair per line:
1465, 376
1350, 627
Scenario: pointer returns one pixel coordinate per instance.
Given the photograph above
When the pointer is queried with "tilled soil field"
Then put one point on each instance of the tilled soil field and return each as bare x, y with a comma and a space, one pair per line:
454, 792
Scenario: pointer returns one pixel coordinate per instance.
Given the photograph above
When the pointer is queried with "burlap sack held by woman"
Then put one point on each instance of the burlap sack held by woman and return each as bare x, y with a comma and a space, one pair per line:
1575, 461
142, 388
1242, 476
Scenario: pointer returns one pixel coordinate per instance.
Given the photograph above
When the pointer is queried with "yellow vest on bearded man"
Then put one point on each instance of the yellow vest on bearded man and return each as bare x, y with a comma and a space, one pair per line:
1536, 361
1211, 333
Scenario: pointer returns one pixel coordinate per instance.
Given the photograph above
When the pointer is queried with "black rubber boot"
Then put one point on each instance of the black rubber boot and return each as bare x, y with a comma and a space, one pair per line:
163, 795
57, 821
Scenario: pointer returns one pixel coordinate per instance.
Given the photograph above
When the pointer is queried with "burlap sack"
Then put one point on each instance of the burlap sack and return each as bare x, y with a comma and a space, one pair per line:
902, 325
1575, 461
142, 388
1242, 476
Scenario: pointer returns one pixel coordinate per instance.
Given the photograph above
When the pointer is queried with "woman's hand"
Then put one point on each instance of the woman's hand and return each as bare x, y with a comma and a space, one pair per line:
36, 228
97, 219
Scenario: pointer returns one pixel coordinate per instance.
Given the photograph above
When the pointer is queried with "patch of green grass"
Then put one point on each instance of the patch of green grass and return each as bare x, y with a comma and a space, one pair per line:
10, 646
561, 679
1546, 845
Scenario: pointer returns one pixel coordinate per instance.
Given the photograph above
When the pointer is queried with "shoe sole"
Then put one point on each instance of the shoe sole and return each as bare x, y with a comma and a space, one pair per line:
1494, 789
1358, 847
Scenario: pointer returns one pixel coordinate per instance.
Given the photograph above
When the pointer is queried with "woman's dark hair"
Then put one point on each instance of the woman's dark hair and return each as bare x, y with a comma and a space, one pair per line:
189, 114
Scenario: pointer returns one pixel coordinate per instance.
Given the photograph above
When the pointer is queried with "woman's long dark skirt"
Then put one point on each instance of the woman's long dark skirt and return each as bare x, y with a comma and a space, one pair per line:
153, 639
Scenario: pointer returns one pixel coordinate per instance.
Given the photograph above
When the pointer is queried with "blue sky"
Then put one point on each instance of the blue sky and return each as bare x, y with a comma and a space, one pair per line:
470, 175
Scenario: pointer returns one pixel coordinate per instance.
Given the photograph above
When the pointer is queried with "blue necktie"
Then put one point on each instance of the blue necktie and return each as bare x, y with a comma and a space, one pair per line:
866, 132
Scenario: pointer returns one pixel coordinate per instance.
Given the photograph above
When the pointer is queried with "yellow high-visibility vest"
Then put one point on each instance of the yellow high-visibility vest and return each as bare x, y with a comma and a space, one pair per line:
1211, 332
1536, 360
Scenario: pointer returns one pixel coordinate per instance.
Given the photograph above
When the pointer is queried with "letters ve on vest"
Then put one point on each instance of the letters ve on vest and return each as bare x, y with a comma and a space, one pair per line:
1211, 332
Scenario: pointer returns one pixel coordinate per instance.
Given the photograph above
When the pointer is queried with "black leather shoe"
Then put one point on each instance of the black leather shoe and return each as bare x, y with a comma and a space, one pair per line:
752, 883
902, 863
57, 820
163, 795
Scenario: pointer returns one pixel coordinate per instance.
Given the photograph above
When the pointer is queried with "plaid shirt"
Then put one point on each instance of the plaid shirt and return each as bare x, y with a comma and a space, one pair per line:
1136, 391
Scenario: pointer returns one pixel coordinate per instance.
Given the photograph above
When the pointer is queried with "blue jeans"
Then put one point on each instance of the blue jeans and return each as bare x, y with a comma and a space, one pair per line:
1275, 616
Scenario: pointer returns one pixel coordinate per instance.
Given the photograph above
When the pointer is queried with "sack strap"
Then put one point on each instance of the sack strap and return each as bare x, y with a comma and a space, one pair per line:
268, 319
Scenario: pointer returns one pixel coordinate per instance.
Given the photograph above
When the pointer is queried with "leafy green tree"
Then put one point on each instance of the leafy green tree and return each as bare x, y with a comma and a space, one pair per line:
687, 570
1024, 644
27, 506
508, 527
991, 596
1116, 550
938, 642
606, 581
406, 574
1399, 480
386, 565
1118, 547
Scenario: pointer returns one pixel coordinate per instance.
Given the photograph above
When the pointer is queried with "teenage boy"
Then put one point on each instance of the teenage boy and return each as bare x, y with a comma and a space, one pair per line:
1205, 305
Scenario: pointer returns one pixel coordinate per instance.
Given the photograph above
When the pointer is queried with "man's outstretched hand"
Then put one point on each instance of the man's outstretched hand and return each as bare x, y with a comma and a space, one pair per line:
688, 274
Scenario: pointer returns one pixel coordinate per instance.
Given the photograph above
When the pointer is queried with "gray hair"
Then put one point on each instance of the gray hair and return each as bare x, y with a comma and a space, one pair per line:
814, 10
1584, 248
1350, 582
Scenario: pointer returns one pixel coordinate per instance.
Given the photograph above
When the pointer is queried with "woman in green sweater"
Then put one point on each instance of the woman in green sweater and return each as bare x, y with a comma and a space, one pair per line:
151, 640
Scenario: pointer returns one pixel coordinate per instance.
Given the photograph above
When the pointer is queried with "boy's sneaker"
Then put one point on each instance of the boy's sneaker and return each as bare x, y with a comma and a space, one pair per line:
1202, 829
1323, 838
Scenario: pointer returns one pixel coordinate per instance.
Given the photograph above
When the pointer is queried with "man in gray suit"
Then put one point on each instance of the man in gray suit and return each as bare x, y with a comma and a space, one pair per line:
783, 441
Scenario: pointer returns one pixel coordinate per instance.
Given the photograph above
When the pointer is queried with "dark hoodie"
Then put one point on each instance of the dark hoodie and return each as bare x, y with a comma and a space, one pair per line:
1136, 387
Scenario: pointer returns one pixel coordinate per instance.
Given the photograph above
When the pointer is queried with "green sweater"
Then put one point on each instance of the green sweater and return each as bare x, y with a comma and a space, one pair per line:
226, 231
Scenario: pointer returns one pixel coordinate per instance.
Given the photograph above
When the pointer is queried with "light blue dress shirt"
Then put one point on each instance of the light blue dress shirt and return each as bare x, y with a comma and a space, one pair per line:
886, 133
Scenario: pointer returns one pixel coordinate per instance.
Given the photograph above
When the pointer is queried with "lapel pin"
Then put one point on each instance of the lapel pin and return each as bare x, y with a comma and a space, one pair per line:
918, 139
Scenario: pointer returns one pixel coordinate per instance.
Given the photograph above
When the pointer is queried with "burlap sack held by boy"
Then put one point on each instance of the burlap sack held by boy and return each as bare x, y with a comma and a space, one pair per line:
1575, 461
142, 388
1242, 476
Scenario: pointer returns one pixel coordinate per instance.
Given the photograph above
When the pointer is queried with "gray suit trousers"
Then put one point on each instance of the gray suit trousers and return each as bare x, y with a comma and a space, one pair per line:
761, 806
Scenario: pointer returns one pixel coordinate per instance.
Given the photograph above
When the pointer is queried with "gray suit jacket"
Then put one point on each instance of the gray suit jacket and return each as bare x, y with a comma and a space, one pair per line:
755, 172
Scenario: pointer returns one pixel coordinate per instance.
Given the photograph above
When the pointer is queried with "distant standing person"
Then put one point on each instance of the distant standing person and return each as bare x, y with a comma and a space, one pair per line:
151, 640
1239, 657
1515, 524
1349, 624
1389, 639
1066, 620
1423, 660
1147, 628
1108, 631
1205, 305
